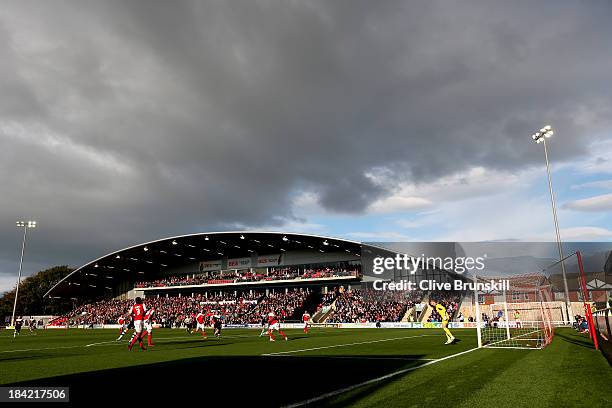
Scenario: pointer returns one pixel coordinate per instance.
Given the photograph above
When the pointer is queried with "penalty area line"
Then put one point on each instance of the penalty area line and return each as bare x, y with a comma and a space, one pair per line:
381, 358
374, 380
103, 342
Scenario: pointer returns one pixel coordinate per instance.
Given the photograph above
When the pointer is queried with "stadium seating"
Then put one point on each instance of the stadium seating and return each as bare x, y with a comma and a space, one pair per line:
337, 306
450, 300
172, 311
274, 274
368, 305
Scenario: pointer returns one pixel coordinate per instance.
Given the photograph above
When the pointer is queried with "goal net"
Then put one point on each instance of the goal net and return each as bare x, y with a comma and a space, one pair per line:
519, 316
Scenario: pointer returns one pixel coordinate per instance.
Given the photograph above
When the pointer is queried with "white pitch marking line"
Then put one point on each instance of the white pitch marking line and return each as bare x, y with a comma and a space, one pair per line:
102, 342
162, 339
381, 358
40, 349
374, 380
345, 345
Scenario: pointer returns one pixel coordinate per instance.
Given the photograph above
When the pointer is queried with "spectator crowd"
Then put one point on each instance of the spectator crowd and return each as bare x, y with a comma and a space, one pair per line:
248, 307
369, 305
238, 276
172, 311
449, 299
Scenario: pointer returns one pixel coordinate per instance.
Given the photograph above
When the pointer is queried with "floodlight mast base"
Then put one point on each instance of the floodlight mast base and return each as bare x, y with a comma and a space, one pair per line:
23, 243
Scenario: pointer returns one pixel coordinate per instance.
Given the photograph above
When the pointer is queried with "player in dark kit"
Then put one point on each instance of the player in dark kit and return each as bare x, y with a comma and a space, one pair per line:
32, 325
18, 324
217, 324
190, 323
264, 325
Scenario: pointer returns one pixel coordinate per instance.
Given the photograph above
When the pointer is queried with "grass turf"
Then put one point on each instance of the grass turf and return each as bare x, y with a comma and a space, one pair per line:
244, 368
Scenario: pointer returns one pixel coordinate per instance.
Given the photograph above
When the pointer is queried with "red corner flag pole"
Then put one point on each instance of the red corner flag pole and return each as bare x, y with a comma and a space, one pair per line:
587, 306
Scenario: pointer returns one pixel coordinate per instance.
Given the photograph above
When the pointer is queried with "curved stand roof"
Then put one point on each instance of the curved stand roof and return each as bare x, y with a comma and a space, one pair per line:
136, 262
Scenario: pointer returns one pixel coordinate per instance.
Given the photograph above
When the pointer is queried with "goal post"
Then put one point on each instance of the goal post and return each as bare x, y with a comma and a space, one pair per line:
587, 305
517, 317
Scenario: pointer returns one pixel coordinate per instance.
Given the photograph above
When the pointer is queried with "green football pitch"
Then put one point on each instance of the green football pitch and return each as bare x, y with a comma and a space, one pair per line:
328, 367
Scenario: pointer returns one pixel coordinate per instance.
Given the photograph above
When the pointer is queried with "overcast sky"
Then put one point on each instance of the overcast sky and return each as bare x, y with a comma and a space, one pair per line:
123, 122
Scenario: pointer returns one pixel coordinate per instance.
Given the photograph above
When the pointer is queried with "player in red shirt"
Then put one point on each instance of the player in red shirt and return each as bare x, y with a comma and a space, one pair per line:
306, 320
148, 324
273, 324
124, 327
138, 312
201, 325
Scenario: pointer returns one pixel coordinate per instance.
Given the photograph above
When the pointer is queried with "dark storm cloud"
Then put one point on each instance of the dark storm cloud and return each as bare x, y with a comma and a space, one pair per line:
127, 121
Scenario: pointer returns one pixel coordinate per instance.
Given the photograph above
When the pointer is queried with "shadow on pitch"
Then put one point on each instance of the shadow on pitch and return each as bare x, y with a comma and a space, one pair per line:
576, 339
241, 379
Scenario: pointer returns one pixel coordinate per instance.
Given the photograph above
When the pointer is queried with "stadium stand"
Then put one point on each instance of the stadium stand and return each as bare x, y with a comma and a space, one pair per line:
368, 305
274, 274
245, 273
172, 311
450, 300
350, 306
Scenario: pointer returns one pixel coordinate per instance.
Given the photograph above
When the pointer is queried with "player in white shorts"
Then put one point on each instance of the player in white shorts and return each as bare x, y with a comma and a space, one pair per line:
273, 324
517, 319
201, 323
306, 320
124, 327
148, 324
138, 326
138, 312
